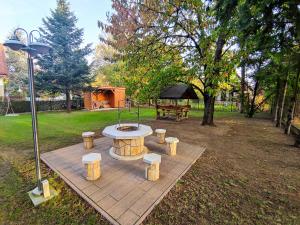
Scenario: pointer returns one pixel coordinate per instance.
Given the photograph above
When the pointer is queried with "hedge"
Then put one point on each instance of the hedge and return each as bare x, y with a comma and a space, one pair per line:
24, 106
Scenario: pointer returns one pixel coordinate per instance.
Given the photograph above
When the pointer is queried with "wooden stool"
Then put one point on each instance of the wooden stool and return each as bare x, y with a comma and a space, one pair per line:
171, 145
88, 139
92, 165
152, 171
160, 133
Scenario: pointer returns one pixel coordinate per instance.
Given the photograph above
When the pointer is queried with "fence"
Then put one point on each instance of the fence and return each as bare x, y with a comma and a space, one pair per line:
24, 106
222, 106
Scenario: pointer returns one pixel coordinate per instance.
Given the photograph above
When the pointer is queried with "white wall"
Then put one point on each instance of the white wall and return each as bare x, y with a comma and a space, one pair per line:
1, 89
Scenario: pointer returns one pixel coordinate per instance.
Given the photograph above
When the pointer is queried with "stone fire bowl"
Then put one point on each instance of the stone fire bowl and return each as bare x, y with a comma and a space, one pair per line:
113, 132
128, 144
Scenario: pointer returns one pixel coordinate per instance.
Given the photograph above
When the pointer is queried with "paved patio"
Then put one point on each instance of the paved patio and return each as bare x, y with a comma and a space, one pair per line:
122, 195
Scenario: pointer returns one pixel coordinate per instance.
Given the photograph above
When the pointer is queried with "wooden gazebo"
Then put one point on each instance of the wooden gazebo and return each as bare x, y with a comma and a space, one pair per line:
175, 92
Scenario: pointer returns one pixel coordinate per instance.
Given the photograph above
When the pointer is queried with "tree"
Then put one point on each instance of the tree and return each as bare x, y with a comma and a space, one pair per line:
143, 80
268, 33
65, 69
104, 65
201, 31
18, 70
148, 77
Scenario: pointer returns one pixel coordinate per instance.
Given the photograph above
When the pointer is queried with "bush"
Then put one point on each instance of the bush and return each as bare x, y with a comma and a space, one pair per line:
24, 106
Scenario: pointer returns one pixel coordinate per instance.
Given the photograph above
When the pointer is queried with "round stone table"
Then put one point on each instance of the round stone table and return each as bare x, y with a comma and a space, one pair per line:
128, 144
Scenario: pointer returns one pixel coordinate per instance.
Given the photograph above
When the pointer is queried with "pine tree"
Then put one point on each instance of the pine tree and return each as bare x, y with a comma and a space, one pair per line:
65, 69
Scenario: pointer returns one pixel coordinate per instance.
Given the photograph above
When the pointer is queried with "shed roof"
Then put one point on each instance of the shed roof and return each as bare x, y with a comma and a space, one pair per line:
3, 65
111, 88
178, 91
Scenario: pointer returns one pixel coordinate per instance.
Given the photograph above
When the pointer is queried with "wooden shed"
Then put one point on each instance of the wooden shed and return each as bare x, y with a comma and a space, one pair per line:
104, 97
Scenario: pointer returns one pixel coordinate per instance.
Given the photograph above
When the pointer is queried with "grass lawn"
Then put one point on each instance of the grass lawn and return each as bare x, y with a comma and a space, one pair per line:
233, 183
59, 129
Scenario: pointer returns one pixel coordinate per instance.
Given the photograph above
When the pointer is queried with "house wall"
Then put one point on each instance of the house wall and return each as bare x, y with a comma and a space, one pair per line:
1, 89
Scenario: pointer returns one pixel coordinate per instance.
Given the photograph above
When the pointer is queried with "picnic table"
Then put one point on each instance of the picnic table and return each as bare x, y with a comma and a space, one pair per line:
177, 112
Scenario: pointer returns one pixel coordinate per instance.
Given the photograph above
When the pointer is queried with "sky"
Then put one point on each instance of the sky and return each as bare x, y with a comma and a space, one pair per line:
28, 14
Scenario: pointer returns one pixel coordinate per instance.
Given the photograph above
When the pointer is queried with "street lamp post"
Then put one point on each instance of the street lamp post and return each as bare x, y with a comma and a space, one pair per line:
32, 48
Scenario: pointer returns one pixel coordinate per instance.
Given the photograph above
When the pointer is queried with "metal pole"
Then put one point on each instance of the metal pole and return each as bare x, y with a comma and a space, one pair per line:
34, 123
138, 115
119, 114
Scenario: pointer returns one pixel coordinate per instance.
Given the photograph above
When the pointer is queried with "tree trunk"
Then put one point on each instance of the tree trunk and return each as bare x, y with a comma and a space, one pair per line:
209, 99
277, 100
291, 112
68, 101
243, 89
281, 103
252, 107
209, 107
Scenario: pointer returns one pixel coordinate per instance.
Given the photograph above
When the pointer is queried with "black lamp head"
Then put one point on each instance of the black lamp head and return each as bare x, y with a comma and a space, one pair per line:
39, 47
14, 43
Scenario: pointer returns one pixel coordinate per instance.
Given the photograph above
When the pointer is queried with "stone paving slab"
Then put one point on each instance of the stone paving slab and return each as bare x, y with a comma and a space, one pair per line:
122, 195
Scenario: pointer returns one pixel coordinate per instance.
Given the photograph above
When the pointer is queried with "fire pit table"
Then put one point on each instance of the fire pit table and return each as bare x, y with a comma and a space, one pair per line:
128, 140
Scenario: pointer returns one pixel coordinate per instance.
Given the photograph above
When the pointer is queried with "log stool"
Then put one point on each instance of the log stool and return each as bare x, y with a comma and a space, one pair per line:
88, 139
91, 162
160, 133
171, 145
152, 171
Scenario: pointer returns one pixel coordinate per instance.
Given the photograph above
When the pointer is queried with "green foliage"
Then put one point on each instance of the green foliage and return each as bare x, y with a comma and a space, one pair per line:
268, 46
109, 74
148, 77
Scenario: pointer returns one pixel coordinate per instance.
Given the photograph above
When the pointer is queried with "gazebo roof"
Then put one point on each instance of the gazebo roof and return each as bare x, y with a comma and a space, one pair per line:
178, 91
3, 65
